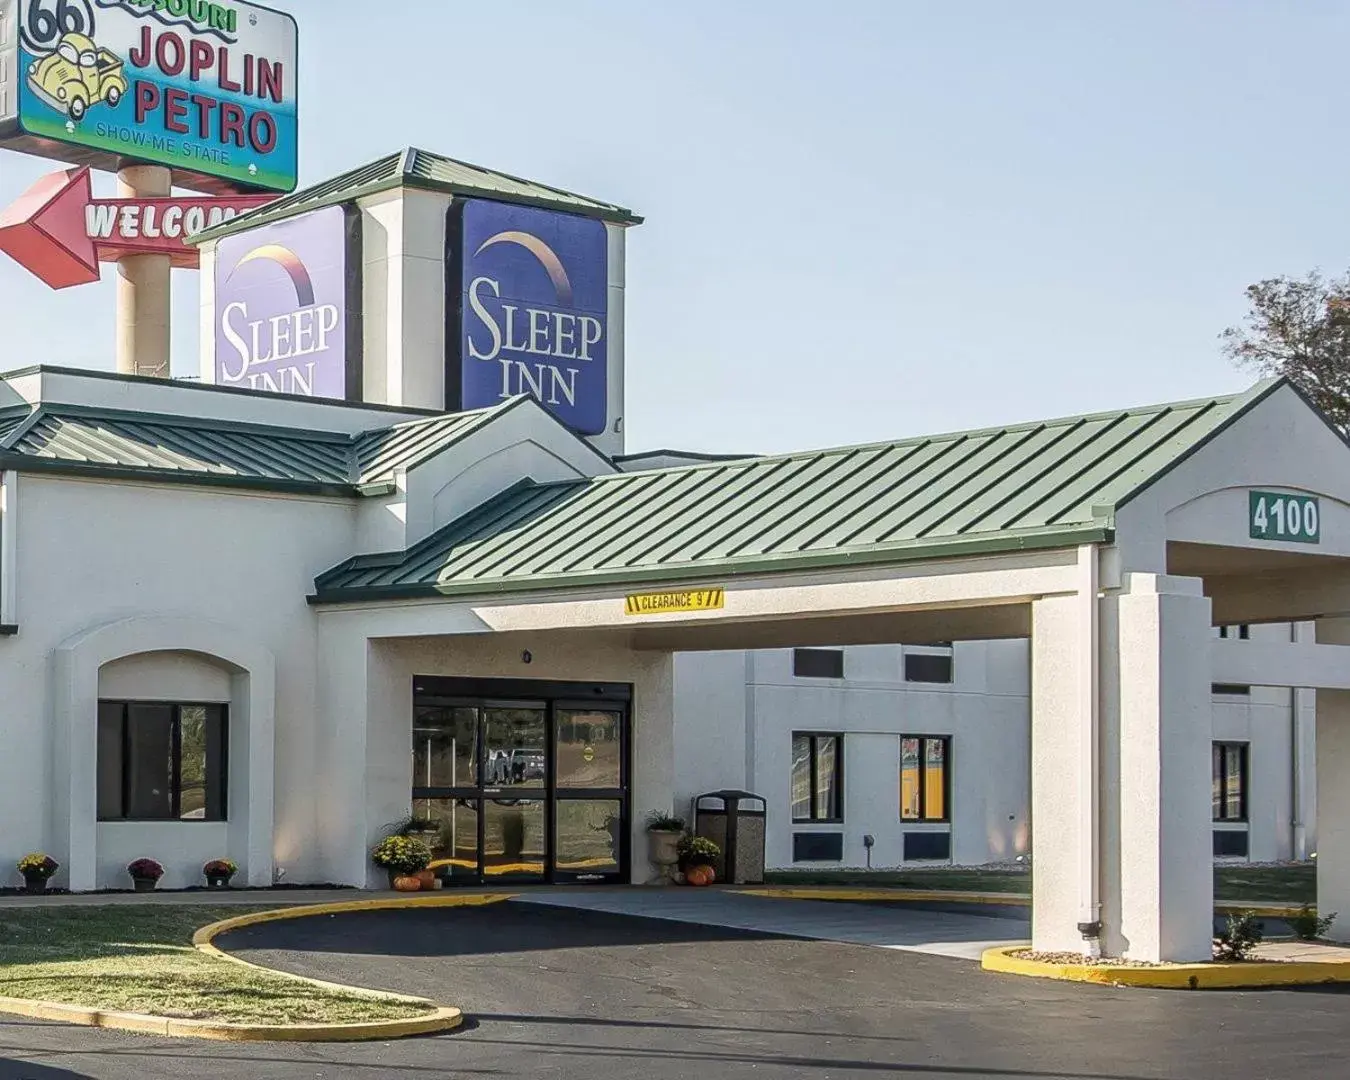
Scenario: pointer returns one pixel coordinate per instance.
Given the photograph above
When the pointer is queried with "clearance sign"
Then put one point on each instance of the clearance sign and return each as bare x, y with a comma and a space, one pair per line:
206, 88
667, 602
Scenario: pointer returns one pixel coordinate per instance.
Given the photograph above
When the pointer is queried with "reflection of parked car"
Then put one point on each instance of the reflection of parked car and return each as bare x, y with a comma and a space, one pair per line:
78, 76
526, 765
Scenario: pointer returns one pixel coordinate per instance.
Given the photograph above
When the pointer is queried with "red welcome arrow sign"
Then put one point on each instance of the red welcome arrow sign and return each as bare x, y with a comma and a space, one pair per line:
59, 232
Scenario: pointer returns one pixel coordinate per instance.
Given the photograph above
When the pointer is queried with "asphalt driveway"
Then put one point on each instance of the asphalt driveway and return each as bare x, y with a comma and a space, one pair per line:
565, 993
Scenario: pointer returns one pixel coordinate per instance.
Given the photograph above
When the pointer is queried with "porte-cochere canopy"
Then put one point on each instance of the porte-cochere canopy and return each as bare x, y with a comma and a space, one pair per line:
1049, 484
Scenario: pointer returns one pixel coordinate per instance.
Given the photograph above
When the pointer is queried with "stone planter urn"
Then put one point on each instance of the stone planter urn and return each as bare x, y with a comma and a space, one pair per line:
144, 884
661, 851
34, 884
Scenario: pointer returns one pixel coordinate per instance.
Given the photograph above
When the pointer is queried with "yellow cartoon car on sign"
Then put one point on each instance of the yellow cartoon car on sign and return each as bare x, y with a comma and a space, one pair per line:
78, 76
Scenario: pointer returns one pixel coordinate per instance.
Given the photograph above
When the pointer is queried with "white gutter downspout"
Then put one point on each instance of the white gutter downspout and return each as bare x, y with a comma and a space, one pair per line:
9, 543
1089, 747
1297, 699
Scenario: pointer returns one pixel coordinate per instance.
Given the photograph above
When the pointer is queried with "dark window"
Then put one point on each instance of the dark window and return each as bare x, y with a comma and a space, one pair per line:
1230, 688
925, 777
927, 845
161, 762
928, 667
1229, 795
818, 663
1241, 632
1230, 844
817, 777
817, 847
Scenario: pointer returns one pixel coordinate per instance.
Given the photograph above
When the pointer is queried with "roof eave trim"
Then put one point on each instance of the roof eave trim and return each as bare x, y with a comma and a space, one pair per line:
25, 463
1096, 533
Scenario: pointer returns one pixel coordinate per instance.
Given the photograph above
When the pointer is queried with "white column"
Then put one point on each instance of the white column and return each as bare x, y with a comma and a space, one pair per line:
652, 786
343, 709
1063, 774
1333, 792
1166, 883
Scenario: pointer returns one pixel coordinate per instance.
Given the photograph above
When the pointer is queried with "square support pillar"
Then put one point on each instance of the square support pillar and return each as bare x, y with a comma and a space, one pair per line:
1065, 765
1333, 792
1164, 732
1059, 810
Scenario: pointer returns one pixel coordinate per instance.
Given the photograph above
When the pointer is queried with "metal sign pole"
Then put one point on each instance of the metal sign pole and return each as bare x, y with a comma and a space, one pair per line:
143, 286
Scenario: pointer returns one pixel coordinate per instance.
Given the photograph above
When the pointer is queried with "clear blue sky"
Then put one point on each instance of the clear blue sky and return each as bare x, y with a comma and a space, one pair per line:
864, 220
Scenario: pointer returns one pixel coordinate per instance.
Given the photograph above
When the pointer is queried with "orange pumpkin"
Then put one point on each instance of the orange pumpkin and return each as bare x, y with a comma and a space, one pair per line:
700, 875
407, 883
426, 878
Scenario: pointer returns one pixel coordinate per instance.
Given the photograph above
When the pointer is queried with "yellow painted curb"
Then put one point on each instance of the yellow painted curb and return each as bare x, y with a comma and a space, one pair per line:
439, 1018
1211, 976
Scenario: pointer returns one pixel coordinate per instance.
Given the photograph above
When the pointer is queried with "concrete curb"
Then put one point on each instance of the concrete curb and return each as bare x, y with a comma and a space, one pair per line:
439, 1018
874, 892
1212, 976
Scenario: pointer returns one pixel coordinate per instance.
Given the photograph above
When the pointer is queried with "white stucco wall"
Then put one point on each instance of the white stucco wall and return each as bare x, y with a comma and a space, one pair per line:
736, 712
92, 553
984, 711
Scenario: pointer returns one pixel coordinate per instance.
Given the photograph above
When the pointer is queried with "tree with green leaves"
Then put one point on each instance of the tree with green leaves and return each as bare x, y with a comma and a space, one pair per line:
1299, 328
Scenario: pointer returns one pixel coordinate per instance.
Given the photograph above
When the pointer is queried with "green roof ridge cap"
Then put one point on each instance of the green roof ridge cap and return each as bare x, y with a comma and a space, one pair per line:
405, 169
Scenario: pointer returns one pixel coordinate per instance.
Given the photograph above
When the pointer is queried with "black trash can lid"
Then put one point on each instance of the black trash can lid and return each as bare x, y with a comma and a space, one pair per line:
731, 797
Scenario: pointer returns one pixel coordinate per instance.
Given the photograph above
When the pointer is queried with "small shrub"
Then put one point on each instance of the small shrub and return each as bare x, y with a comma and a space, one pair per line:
1240, 936
697, 851
38, 865
660, 821
401, 854
1308, 925
145, 869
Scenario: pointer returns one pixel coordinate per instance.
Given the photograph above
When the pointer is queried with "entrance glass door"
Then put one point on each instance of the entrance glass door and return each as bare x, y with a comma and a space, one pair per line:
590, 822
521, 790
514, 738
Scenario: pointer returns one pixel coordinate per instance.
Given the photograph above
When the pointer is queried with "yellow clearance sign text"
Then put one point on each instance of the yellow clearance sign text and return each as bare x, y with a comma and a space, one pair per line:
662, 603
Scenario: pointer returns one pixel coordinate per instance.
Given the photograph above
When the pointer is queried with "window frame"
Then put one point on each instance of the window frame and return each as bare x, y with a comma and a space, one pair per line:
176, 759
813, 772
1218, 754
923, 818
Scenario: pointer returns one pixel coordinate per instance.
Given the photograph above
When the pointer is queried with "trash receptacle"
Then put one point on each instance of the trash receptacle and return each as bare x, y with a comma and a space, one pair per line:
727, 819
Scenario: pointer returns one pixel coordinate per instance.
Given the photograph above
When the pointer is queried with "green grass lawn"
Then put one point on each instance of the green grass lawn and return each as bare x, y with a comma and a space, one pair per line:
1232, 884
141, 959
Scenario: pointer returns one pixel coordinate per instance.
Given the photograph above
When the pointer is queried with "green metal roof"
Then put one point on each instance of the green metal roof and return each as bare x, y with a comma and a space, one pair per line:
11, 418
1055, 483
72, 438
430, 172
81, 439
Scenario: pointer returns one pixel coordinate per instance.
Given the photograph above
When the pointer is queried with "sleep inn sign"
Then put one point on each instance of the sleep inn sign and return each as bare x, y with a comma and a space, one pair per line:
532, 310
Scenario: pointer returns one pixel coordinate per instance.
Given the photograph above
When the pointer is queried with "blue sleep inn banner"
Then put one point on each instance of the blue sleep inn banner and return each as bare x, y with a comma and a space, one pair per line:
533, 310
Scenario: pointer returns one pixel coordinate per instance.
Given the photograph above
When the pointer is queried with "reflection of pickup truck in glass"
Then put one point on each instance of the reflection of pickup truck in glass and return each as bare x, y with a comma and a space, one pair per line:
78, 76
526, 765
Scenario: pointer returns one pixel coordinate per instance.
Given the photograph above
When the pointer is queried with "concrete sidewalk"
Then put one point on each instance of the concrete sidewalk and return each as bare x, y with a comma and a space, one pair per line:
905, 927
201, 897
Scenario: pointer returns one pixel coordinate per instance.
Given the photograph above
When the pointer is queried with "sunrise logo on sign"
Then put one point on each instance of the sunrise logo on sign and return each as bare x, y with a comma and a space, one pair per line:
534, 311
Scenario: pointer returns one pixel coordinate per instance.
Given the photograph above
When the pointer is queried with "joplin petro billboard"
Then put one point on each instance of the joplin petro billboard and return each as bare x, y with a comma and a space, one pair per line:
205, 87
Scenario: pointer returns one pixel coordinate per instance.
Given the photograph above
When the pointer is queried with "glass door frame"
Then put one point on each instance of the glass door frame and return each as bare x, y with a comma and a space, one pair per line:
553, 697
